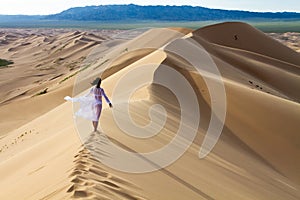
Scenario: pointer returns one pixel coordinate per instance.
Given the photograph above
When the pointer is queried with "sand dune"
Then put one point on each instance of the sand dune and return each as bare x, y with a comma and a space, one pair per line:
243, 36
289, 39
40, 55
255, 157
43, 59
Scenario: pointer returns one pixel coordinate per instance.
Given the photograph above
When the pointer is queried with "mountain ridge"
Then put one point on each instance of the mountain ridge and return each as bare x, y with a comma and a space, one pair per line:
162, 13
155, 12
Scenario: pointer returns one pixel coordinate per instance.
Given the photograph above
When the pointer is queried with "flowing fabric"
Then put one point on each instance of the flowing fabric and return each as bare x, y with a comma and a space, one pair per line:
90, 104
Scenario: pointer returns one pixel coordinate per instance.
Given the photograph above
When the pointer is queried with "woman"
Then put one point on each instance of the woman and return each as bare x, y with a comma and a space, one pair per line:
91, 104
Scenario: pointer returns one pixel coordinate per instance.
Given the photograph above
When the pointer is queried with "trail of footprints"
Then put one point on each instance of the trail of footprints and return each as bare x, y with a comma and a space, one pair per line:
91, 181
17, 140
258, 87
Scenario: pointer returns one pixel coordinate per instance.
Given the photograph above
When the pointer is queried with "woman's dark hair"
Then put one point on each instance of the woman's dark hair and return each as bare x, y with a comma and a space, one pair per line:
99, 83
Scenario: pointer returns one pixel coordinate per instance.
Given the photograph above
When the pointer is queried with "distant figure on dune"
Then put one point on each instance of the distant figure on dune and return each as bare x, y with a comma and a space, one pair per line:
91, 104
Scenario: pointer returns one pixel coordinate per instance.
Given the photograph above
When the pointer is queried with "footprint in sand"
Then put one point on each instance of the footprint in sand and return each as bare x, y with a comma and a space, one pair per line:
90, 180
16, 140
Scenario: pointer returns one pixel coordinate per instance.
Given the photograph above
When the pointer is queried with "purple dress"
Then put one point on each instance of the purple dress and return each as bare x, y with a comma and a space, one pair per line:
90, 104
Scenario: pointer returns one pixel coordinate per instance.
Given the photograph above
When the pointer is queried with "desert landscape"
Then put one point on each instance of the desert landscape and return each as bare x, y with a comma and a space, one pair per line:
46, 153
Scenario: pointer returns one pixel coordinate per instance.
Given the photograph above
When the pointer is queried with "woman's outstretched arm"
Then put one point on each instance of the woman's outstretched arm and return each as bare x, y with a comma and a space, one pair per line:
106, 98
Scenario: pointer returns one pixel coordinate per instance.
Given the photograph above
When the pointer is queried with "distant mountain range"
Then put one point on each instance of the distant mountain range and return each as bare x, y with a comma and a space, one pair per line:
162, 13
155, 13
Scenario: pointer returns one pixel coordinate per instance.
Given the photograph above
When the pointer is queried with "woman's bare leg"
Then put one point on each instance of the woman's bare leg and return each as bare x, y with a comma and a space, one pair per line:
98, 112
94, 125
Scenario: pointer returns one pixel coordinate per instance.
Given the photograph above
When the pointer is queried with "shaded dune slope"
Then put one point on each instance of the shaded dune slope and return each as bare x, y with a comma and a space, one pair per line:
256, 115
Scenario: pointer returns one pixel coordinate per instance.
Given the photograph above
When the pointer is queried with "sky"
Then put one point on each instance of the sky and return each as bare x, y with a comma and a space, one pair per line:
43, 7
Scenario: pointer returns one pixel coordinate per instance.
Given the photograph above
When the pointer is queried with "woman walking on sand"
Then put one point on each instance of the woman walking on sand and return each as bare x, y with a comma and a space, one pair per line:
91, 104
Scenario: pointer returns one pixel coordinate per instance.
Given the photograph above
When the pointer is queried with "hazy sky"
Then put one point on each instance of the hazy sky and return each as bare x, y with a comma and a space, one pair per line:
55, 6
